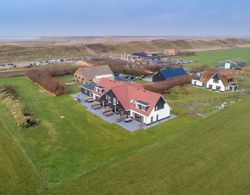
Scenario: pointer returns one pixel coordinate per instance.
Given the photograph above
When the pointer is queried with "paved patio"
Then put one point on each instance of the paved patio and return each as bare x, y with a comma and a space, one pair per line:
131, 126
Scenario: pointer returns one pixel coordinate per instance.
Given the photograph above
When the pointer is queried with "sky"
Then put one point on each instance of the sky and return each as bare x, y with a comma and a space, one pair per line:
34, 18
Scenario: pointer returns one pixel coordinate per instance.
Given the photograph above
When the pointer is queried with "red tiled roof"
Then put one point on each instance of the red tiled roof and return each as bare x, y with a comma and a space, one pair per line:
107, 84
127, 95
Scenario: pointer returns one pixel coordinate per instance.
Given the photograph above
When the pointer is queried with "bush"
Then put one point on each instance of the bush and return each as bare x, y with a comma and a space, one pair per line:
46, 79
186, 53
163, 86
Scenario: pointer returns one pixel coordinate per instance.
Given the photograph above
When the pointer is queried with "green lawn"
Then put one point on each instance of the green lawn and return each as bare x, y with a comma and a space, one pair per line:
17, 175
213, 57
70, 82
198, 102
81, 153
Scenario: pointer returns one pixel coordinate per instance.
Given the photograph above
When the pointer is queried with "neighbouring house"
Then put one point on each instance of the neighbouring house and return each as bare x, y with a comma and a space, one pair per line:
165, 74
216, 80
131, 99
93, 74
232, 64
88, 89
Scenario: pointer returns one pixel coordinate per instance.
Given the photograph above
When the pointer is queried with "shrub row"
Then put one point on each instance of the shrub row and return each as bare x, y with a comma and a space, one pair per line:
163, 86
45, 78
20, 113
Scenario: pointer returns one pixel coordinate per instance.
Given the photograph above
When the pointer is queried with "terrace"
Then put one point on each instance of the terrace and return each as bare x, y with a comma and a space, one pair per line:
113, 119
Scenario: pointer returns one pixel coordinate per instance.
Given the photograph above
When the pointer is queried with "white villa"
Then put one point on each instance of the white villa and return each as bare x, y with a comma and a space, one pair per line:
215, 81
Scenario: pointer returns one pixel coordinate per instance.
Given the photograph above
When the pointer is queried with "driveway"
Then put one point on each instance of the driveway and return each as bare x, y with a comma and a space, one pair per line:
130, 126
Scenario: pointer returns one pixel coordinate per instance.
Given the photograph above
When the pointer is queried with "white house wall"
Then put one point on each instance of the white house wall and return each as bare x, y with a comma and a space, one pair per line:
197, 83
215, 85
162, 114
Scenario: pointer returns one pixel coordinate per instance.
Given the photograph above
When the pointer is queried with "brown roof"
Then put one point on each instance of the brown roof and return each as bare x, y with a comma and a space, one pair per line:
225, 78
206, 76
88, 73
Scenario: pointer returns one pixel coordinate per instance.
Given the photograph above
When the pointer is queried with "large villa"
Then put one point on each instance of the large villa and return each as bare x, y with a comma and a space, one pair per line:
128, 99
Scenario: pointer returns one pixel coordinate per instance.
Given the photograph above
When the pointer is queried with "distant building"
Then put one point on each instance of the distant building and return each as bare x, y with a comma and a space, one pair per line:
142, 54
165, 74
93, 74
170, 52
138, 57
216, 80
232, 64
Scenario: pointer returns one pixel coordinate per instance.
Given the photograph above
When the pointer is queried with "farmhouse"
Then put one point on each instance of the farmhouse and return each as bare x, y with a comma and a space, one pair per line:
232, 64
93, 74
216, 80
165, 74
132, 100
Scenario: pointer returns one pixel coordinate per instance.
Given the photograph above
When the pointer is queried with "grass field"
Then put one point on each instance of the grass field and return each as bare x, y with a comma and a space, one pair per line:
212, 58
81, 153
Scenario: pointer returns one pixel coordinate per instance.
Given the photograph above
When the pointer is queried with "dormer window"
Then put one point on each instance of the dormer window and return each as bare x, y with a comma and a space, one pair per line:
99, 89
141, 105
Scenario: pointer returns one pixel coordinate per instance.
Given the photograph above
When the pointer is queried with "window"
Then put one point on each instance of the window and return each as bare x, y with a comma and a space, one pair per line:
114, 101
109, 99
159, 107
216, 80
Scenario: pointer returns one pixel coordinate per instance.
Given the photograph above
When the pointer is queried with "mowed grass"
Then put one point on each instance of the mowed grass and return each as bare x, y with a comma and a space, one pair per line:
212, 58
82, 154
210, 156
17, 176
66, 148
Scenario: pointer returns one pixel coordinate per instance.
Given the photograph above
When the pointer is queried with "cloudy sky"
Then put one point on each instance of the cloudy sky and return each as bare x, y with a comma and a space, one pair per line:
124, 17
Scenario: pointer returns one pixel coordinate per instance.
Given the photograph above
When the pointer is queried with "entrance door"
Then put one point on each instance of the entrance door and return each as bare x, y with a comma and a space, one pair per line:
152, 119
157, 117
